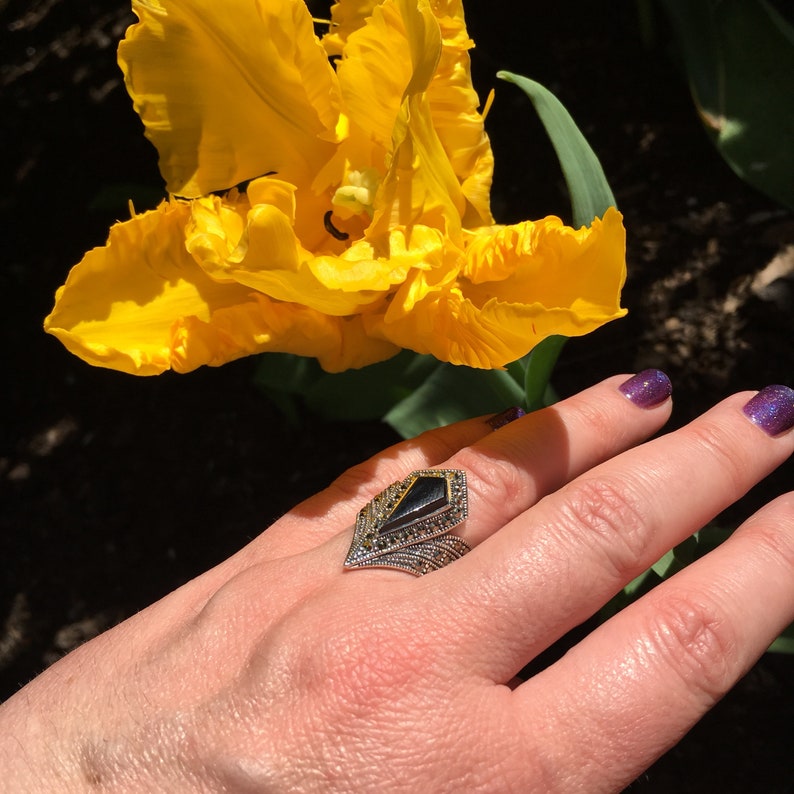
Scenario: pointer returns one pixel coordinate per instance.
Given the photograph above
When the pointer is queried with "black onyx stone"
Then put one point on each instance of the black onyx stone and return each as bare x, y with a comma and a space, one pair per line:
424, 498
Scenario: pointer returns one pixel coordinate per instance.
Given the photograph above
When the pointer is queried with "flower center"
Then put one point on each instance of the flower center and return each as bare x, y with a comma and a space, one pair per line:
357, 195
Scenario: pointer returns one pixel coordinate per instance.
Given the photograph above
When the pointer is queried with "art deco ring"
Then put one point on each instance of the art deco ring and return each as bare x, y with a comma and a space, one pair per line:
407, 525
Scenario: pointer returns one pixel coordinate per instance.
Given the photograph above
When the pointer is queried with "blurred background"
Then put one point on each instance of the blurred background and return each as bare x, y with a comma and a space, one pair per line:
115, 490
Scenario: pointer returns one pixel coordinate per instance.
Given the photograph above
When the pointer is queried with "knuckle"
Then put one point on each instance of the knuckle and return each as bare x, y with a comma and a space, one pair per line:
712, 439
499, 484
690, 638
775, 545
602, 424
607, 516
354, 485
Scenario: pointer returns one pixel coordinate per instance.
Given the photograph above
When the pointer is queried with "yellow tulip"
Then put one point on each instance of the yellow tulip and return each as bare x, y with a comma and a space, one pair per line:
337, 208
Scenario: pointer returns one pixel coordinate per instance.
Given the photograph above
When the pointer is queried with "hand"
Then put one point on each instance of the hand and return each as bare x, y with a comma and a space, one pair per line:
280, 671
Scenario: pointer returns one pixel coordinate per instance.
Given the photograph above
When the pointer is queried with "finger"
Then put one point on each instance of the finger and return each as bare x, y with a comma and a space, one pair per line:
555, 565
335, 508
510, 471
310, 524
507, 470
632, 688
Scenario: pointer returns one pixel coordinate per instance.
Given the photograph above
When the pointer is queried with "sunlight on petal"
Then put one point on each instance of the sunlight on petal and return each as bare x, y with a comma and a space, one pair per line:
262, 326
533, 281
119, 303
454, 109
548, 261
229, 96
347, 16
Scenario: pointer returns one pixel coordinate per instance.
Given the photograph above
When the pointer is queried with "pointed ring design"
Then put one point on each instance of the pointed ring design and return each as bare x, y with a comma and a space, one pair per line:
407, 526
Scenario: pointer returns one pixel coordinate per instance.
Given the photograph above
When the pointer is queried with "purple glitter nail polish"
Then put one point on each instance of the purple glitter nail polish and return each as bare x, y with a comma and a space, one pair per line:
647, 389
772, 409
505, 417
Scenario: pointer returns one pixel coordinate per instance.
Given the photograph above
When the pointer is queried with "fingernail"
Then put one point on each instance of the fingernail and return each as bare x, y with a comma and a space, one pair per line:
772, 409
505, 417
648, 388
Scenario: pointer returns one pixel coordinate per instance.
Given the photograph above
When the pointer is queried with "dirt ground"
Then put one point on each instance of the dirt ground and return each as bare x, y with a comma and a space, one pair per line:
115, 490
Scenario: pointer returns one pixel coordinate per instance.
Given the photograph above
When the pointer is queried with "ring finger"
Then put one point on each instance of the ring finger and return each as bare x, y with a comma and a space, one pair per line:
506, 472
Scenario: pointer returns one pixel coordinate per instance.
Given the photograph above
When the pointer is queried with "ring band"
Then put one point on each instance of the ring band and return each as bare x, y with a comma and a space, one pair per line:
407, 526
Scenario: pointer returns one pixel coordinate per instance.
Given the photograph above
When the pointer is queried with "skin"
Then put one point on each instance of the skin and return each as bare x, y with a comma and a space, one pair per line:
278, 671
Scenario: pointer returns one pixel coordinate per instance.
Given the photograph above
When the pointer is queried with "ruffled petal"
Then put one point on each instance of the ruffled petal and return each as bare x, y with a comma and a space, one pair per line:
256, 245
366, 269
416, 118
420, 187
227, 95
142, 305
347, 16
375, 73
583, 269
454, 107
119, 304
566, 282
262, 325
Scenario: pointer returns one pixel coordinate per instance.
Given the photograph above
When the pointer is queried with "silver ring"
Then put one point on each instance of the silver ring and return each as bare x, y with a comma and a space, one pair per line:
407, 526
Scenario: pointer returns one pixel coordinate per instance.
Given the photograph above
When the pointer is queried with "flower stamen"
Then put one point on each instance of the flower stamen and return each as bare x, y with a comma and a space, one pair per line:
331, 229
358, 195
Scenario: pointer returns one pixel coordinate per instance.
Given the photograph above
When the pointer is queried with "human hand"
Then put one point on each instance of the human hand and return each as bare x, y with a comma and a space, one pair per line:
280, 671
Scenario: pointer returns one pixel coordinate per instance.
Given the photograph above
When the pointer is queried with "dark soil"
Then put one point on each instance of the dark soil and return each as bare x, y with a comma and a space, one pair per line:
115, 490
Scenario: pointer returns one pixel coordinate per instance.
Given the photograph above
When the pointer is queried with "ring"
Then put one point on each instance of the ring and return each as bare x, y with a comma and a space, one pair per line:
407, 526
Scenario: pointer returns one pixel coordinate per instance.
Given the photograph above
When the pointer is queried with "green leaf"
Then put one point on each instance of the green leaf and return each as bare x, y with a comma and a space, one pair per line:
539, 366
739, 57
284, 377
785, 642
370, 392
451, 394
587, 185
285, 372
664, 564
353, 395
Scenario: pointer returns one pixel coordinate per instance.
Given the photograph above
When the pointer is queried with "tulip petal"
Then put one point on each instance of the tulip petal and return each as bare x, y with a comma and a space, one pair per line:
119, 303
347, 16
454, 109
257, 246
420, 187
562, 266
265, 326
229, 95
142, 305
375, 73
555, 281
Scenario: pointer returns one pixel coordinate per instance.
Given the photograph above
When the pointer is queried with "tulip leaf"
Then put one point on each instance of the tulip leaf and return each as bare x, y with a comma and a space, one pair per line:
370, 392
286, 372
739, 57
364, 394
451, 394
539, 366
785, 642
284, 377
589, 190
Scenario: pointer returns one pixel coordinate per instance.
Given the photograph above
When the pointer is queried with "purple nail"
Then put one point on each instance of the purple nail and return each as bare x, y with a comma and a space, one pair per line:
648, 388
505, 417
772, 409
